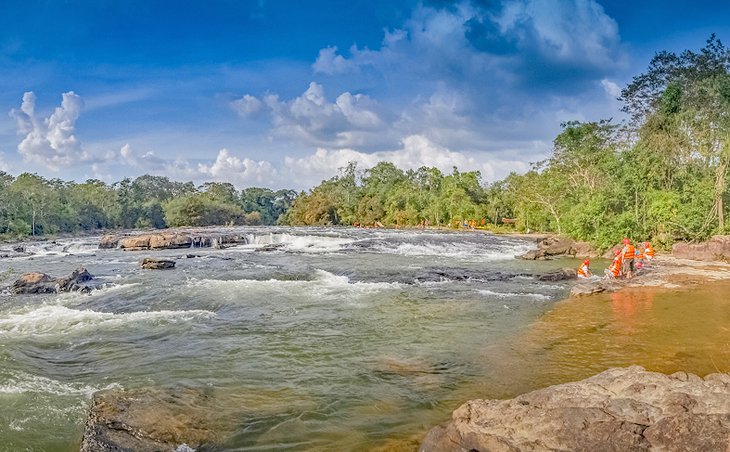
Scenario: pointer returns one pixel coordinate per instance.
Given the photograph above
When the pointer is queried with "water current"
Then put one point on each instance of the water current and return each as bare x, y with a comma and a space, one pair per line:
340, 339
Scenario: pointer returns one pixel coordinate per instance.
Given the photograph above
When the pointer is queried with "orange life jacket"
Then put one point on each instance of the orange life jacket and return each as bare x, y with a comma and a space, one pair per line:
630, 252
649, 251
583, 271
615, 267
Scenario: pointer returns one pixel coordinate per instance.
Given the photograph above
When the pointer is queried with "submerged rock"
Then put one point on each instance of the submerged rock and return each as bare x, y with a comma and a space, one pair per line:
150, 263
35, 283
558, 275
148, 420
621, 409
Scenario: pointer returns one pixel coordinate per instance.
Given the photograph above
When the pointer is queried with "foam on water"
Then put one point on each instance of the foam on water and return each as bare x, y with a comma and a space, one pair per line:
63, 248
60, 320
22, 382
324, 284
297, 243
535, 296
463, 250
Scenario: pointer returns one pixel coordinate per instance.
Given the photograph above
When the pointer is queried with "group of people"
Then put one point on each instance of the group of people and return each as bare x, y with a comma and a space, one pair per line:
626, 262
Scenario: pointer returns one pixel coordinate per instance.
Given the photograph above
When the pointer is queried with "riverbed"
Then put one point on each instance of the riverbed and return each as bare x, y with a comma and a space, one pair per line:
339, 339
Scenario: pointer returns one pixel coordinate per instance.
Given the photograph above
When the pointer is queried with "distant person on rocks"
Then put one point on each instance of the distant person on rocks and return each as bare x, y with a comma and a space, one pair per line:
628, 253
614, 270
584, 271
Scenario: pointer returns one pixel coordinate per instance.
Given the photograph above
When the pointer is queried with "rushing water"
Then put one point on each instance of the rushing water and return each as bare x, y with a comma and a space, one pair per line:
341, 339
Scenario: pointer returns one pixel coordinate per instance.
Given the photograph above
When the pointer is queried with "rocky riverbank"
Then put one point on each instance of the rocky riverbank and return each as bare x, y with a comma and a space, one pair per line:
621, 409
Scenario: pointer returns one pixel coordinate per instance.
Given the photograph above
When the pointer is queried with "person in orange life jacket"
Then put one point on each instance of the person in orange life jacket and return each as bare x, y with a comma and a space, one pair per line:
584, 271
639, 257
649, 252
614, 270
628, 252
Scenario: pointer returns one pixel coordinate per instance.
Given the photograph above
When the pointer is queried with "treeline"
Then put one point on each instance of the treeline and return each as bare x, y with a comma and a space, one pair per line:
662, 175
33, 205
390, 196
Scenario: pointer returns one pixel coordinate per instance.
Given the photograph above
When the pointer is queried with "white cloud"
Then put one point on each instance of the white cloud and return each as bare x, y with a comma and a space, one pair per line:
51, 141
611, 88
248, 106
147, 161
329, 62
239, 171
311, 119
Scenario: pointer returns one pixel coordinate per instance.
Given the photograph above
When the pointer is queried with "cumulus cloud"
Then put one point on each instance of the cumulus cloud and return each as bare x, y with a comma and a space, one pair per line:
50, 141
239, 171
148, 161
611, 88
312, 119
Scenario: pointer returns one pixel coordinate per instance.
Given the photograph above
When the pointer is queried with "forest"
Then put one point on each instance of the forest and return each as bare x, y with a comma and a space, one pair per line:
659, 175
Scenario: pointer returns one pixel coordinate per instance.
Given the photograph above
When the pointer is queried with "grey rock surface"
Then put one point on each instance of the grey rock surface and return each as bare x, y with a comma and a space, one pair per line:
621, 409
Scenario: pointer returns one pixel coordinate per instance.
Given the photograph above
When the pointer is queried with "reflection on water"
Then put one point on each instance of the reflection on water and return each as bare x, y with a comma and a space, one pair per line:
664, 331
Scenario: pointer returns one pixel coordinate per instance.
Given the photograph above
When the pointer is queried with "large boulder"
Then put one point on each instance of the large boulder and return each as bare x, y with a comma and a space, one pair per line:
552, 246
35, 283
148, 420
621, 409
715, 249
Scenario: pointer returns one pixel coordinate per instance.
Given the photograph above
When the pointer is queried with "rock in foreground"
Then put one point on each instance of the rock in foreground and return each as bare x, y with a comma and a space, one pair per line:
147, 420
35, 282
621, 409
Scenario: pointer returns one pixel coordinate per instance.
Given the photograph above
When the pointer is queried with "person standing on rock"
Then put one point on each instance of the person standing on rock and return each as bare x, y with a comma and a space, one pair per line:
628, 253
584, 271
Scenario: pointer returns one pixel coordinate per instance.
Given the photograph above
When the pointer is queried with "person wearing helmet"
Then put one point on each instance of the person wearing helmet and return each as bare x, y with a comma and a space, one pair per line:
584, 271
628, 253
614, 270
649, 253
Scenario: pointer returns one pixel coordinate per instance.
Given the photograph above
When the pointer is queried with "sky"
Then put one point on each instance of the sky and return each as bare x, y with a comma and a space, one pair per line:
282, 94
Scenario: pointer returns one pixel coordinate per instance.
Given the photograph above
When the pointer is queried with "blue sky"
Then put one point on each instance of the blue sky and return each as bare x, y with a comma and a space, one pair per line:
283, 93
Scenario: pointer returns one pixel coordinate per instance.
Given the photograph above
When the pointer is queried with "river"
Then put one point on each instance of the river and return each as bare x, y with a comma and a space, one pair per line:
340, 339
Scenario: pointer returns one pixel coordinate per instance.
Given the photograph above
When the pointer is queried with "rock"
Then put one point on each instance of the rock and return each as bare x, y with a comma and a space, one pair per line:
170, 241
148, 420
271, 247
19, 249
621, 409
560, 246
715, 249
136, 243
157, 264
34, 282
588, 288
109, 241
558, 275
74, 280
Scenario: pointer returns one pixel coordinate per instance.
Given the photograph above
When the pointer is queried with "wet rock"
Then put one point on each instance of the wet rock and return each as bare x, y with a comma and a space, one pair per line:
170, 241
137, 243
621, 409
148, 420
19, 249
74, 280
149, 263
35, 283
558, 275
589, 288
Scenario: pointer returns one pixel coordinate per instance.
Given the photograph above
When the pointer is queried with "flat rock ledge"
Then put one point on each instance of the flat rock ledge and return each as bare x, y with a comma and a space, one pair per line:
148, 420
621, 409
170, 240
150, 263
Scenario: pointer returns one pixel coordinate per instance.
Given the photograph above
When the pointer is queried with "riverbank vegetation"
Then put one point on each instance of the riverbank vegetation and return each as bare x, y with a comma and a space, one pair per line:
31, 205
660, 175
